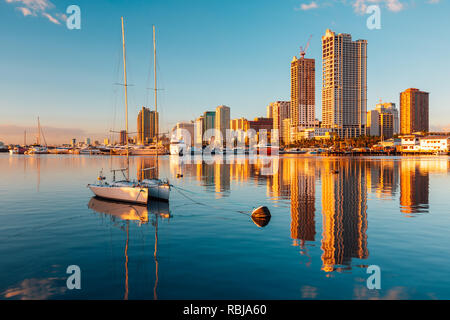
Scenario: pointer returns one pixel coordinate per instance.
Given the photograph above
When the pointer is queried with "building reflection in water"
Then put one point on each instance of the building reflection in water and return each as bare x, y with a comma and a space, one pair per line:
383, 178
344, 206
303, 227
344, 183
147, 168
414, 184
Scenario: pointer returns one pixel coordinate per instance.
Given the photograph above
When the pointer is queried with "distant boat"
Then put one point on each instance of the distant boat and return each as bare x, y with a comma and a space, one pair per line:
17, 150
90, 151
38, 148
147, 150
177, 147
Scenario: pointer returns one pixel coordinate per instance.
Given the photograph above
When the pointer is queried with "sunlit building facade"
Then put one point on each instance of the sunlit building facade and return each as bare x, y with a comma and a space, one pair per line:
344, 84
414, 111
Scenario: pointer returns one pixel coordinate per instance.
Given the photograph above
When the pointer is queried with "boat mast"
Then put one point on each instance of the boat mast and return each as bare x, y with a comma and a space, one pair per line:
156, 97
39, 133
126, 98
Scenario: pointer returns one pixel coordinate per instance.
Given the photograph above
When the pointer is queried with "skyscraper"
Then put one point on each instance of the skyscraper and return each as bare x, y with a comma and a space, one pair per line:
222, 120
389, 107
413, 111
147, 123
302, 108
344, 84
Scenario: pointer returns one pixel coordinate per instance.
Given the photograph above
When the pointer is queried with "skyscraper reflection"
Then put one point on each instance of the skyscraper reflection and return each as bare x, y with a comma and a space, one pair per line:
414, 181
303, 209
344, 205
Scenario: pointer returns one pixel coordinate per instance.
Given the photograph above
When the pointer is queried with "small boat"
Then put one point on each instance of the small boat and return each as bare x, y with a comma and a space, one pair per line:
37, 150
124, 190
295, 151
90, 151
177, 147
17, 150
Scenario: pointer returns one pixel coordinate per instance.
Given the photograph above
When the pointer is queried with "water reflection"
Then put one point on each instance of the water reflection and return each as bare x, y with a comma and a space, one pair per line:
413, 188
123, 212
344, 205
345, 184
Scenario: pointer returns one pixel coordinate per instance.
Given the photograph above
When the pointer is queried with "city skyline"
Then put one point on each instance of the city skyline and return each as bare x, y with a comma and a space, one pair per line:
64, 98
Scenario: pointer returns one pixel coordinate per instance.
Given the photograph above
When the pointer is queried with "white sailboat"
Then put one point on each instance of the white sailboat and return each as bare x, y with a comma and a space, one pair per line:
38, 148
126, 190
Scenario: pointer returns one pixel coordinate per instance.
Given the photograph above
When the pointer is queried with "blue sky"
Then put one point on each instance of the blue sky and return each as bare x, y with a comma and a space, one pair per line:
230, 52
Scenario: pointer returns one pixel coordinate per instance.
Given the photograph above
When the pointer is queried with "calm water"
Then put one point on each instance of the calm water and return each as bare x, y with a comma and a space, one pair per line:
325, 229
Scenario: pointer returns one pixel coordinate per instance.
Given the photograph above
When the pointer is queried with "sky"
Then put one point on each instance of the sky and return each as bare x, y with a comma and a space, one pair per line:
209, 53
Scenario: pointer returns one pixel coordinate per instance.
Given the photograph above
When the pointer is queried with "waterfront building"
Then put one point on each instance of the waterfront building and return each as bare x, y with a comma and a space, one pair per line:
87, 141
414, 111
181, 129
198, 131
222, 120
410, 143
280, 112
261, 123
209, 118
344, 84
106, 141
435, 143
315, 133
302, 106
286, 131
270, 111
373, 123
147, 125
389, 107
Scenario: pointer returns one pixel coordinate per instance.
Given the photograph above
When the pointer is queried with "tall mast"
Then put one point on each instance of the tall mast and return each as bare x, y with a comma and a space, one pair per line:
39, 133
126, 97
156, 97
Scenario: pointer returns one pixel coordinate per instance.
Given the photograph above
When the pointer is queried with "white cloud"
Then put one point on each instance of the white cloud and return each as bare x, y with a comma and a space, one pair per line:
39, 8
360, 6
50, 18
25, 11
305, 6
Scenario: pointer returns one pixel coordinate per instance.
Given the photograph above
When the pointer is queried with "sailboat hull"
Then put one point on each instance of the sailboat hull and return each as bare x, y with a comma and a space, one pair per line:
127, 194
157, 189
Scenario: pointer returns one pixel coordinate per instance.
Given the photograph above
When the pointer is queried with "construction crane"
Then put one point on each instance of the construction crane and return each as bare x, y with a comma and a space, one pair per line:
303, 51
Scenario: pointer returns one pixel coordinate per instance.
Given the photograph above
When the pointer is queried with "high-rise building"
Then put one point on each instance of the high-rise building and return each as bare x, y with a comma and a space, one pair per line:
414, 111
389, 107
344, 84
280, 111
380, 123
303, 85
222, 121
270, 111
198, 131
147, 125
123, 137
386, 125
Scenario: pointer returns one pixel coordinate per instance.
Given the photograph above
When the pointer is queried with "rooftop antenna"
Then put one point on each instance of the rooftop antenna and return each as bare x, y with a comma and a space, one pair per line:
303, 51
